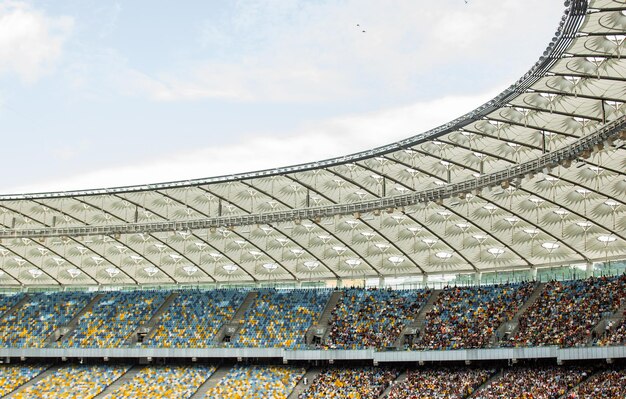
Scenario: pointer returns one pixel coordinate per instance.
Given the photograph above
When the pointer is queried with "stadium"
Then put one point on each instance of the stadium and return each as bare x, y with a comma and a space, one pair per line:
485, 258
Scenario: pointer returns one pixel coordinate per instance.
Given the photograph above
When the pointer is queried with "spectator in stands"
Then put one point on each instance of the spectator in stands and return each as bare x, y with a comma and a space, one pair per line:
372, 318
441, 383
533, 383
608, 384
358, 383
468, 317
567, 312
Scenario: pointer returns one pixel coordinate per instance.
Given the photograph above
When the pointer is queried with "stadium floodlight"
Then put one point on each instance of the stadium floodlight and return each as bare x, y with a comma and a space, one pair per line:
496, 252
216, 256
58, 261
190, 269
395, 260
297, 252
550, 246
151, 270
98, 260
429, 242
35, 272
270, 267
230, 268
340, 250
112, 271
282, 241
353, 263
443, 255
311, 264
73, 272
607, 239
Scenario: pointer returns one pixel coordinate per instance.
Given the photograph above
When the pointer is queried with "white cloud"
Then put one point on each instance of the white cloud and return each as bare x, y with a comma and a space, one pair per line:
294, 51
30, 41
325, 139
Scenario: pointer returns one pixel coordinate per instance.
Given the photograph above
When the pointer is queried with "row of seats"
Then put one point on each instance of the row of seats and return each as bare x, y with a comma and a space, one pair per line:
170, 382
352, 383
13, 376
564, 314
194, 318
8, 301
114, 318
75, 381
281, 318
256, 382
372, 318
469, 317
32, 323
442, 383
278, 382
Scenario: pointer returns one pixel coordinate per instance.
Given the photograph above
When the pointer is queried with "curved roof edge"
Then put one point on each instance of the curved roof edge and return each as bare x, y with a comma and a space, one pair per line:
566, 32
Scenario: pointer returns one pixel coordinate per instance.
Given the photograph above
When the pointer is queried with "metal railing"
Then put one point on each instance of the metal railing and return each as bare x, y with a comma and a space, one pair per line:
517, 172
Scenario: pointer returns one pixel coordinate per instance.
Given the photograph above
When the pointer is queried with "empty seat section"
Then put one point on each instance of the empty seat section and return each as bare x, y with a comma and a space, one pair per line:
467, 317
170, 382
256, 382
35, 320
114, 318
357, 383
79, 382
8, 301
194, 317
372, 318
567, 311
281, 318
14, 376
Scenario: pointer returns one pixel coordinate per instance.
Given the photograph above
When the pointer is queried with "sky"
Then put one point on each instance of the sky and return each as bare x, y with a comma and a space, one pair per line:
97, 93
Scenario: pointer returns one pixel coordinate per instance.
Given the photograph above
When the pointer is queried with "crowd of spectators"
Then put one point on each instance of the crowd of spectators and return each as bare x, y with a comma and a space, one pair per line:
372, 318
281, 318
170, 382
533, 383
608, 384
350, 383
256, 382
13, 376
467, 317
440, 383
566, 312
615, 334
75, 382
114, 318
194, 318
32, 323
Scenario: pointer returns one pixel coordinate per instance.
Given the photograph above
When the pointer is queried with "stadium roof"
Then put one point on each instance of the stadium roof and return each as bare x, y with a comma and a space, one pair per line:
534, 177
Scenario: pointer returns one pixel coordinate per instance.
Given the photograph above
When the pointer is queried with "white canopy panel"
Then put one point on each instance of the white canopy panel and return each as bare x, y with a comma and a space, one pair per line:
534, 177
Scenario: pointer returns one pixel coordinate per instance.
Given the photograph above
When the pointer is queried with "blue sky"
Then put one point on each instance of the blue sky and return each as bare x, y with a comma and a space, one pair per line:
101, 93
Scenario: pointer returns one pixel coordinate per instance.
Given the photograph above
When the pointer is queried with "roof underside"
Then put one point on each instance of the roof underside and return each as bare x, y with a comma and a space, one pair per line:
331, 219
